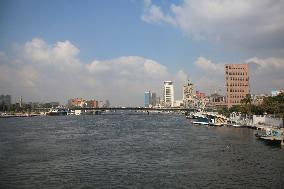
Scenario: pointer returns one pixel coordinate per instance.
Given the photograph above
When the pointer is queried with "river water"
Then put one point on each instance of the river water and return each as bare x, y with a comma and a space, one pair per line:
133, 151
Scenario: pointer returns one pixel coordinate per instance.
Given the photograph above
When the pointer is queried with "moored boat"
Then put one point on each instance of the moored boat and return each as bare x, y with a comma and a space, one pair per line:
201, 121
272, 136
57, 112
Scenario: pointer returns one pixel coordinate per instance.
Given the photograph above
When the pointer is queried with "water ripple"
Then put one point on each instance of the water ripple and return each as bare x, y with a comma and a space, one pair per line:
133, 151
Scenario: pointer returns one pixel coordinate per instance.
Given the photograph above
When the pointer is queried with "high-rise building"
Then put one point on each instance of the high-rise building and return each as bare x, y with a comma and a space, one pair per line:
153, 99
158, 101
5, 100
237, 83
21, 101
147, 99
168, 93
150, 99
107, 104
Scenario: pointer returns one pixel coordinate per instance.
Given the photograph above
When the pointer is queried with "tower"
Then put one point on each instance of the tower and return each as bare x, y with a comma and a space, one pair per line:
147, 99
187, 94
168, 93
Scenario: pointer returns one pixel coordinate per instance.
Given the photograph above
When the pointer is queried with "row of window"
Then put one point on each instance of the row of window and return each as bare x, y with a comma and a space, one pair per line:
235, 68
236, 73
237, 79
237, 96
237, 85
236, 90
234, 101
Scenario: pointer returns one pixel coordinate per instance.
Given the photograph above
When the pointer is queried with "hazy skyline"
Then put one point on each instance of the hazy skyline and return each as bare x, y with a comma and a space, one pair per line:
116, 50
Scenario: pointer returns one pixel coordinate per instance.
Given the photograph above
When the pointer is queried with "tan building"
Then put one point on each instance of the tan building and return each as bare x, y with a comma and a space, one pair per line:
237, 83
77, 102
187, 96
217, 100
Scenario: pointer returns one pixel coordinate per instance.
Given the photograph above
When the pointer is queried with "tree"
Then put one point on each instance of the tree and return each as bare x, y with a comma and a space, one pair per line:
274, 105
246, 105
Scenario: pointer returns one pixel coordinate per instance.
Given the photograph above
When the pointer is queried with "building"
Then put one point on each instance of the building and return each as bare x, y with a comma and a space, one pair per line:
200, 95
168, 94
217, 100
258, 99
237, 83
153, 99
147, 99
188, 94
107, 104
150, 99
76, 102
178, 103
158, 101
5, 100
21, 101
101, 104
91, 103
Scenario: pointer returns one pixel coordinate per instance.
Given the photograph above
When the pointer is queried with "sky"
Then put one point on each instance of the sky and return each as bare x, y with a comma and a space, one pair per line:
118, 49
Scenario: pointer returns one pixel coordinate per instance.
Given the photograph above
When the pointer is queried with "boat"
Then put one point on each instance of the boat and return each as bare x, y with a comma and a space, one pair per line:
237, 125
57, 112
272, 136
216, 119
234, 124
269, 132
201, 121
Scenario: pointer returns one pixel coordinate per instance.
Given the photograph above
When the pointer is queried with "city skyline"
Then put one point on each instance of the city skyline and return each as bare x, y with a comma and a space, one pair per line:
57, 50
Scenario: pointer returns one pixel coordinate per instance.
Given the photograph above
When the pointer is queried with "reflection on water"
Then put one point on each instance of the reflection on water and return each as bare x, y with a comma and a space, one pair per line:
133, 151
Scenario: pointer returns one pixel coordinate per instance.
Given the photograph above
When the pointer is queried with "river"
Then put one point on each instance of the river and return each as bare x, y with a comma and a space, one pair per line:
133, 151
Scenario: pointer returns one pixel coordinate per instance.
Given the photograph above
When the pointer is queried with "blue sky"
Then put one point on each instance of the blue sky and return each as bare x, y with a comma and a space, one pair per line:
103, 30
174, 34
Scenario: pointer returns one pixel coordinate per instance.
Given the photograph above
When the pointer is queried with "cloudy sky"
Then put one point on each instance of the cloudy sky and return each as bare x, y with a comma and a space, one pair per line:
117, 49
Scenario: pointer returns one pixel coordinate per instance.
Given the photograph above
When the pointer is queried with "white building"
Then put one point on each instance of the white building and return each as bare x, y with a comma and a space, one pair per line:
168, 93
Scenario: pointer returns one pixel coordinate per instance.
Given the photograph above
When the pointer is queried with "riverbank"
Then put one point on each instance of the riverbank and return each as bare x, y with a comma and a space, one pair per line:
18, 115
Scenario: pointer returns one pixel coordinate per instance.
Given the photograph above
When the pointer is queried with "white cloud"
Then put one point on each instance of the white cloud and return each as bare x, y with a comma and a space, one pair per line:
153, 14
252, 24
210, 77
42, 72
182, 76
209, 66
266, 74
129, 67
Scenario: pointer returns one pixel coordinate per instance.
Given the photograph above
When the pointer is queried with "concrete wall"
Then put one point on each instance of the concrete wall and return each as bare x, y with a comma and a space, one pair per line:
265, 120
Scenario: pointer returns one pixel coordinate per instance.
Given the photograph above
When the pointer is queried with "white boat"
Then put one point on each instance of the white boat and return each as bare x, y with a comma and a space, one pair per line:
201, 121
57, 112
237, 125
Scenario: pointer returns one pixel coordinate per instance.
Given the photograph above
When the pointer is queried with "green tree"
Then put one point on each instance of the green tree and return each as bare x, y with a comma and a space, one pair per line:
246, 105
274, 105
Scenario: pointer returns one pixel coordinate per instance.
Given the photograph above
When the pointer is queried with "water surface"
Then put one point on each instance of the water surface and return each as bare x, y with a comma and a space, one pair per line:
133, 151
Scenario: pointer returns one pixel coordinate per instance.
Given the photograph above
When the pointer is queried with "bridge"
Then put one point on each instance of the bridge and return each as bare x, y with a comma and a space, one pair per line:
134, 109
